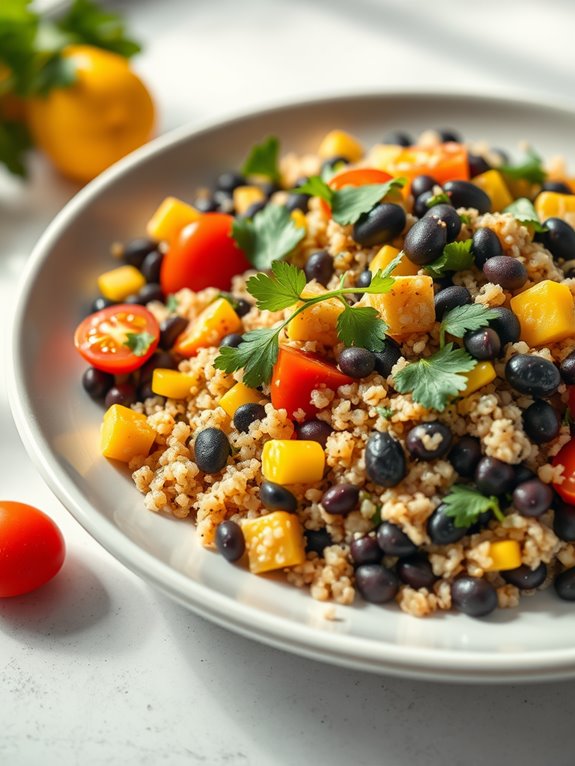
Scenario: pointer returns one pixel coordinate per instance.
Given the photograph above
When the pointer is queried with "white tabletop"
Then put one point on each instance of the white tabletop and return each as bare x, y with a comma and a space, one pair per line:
97, 667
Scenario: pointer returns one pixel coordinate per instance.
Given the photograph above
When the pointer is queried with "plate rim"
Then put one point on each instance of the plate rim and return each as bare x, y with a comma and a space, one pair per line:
365, 654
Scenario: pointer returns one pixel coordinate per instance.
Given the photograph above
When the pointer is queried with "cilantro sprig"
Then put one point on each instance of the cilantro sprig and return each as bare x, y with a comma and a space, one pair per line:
466, 504
524, 211
438, 199
464, 319
269, 236
258, 351
456, 256
139, 342
529, 169
351, 202
263, 159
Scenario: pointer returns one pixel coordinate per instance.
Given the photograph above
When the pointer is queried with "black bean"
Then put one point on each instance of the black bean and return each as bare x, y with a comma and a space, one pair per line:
556, 186
364, 279
136, 250
356, 362
564, 521
465, 455
319, 266
100, 303
506, 325
332, 164
532, 375
387, 358
232, 340
365, 550
522, 473
482, 344
225, 201
277, 498
418, 436
466, 194
477, 164
442, 283
448, 215
448, 135
230, 540
253, 209
246, 414
376, 584
269, 187
148, 293
161, 359
393, 541
170, 328
422, 183
397, 138
229, 181
297, 202
441, 527
206, 204
340, 499
242, 306
567, 369
145, 391
525, 578
315, 431
151, 266
316, 540
559, 239
482, 521
424, 203
97, 383
494, 477
565, 585
505, 271
212, 450
532, 497
121, 393
449, 298
382, 224
473, 596
425, 241
416, 572
485, 244
541, 422
384, 460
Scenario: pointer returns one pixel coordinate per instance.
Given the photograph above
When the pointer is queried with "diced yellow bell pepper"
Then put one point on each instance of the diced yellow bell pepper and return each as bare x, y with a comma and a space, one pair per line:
172, 383
318, 322
274, 541
408, 307
555, 205
170, 218
238, 395
118, 283
545, 312
505, 554
495, 187
338, 143
125, 434
293, 461
215, 322
482, 374
298, 217
571, 184
382, 259
245, 197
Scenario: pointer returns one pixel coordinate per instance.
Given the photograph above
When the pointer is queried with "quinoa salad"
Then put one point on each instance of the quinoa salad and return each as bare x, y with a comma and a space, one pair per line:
356, 367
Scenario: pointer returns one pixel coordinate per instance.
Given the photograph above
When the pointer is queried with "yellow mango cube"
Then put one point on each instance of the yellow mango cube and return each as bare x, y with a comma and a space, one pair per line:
293, 461
382, 259
384, 156
545, 312
494, 186
125, 434
273, 542
408, 307
504, 554
318, 322
555, 205
482, 374
118, 283
338, 143
215, 322
238, 395
298, 217
172, 383
170, 218
245, 197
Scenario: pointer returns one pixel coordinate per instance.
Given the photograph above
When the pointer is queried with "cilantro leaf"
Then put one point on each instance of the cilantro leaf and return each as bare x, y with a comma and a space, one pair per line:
524, 212
461, 319
529, 169
465, 505
172, 303
384, 412
85, 22
263, 159
464, 218
14, 143
139, 342
316, 187
277, 292
433, 381
456, 256
438, 199
256, 355
269, 236
381, 282
361, 326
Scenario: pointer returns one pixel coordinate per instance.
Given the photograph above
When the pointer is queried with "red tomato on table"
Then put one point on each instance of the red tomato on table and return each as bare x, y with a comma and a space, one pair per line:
32, 548
203, 255
566, 458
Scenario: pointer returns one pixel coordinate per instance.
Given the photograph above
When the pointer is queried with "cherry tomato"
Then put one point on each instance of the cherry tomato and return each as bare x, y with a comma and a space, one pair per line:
203, 255
356, 177
445, 162
566, 458
296, 374
571, 401
118, 339
32, 548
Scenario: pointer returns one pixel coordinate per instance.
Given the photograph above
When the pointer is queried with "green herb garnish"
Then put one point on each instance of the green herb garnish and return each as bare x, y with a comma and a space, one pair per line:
269, 236
464, 217
87, 23
524, 211
438, 199
529, 169
14, 144
462, 319
263, 159
465, 505
456, 256
172, 303
139, 342
384, 412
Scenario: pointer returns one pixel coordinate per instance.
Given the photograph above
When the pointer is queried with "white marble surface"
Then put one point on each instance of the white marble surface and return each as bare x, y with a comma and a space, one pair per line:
98, 668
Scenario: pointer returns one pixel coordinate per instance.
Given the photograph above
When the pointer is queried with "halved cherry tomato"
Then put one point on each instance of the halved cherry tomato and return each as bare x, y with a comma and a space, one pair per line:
32, 548
203, 255
566, 458
106, 339
296, 374
356, 177
445, 162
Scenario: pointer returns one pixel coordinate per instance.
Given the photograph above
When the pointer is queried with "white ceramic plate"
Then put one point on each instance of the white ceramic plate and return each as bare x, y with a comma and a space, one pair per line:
60, 425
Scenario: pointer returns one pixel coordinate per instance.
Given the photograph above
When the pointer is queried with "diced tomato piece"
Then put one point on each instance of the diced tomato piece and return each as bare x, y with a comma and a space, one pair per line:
445, 162
566, 458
